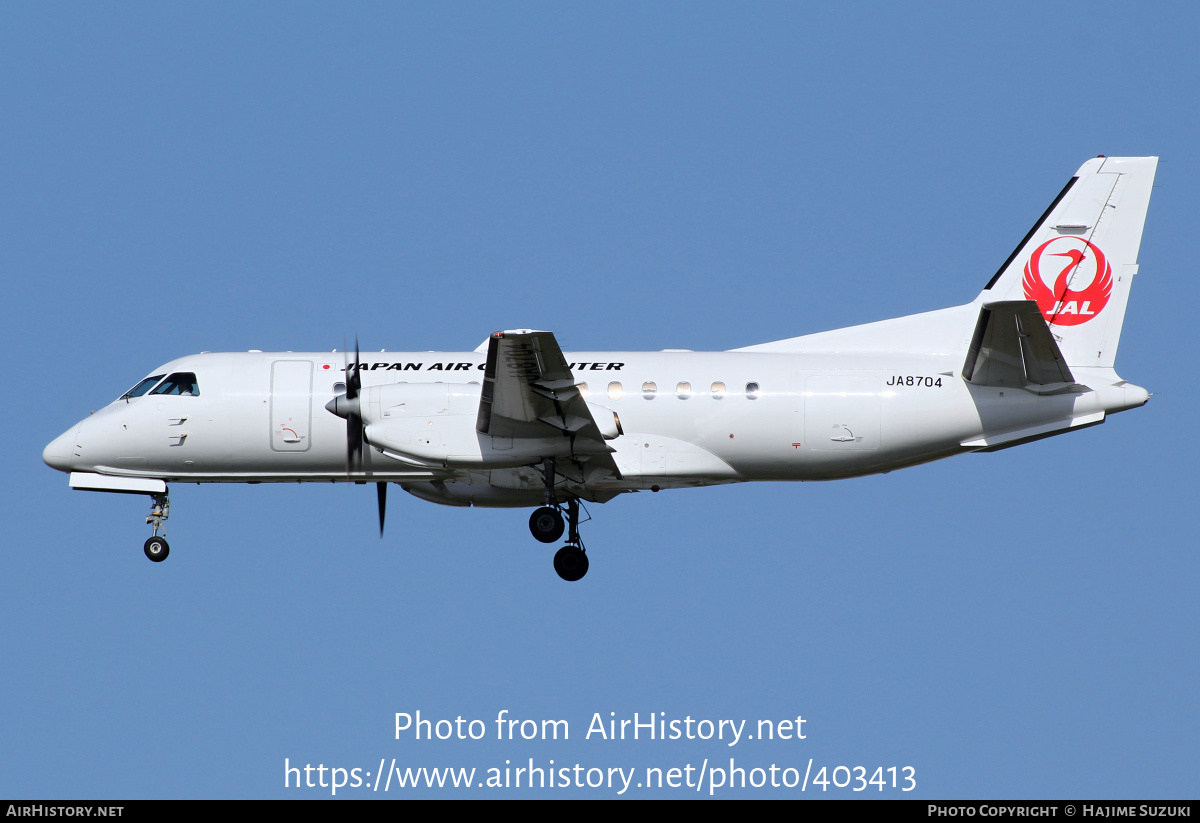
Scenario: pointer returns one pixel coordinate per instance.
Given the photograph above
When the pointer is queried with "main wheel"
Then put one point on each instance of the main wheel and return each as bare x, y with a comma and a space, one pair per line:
547, 524
571, 563
156, 549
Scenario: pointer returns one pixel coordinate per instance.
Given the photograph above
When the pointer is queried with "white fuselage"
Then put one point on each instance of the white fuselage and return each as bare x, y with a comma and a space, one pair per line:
708, 418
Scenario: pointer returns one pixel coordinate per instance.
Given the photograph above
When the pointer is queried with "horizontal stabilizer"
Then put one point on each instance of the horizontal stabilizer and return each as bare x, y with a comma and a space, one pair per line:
1013, 348
1006, 440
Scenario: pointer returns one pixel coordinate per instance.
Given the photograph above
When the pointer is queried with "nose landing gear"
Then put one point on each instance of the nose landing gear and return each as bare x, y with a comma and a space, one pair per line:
156, 547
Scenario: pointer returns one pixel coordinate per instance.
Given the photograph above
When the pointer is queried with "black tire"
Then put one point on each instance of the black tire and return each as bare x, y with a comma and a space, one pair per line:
156, 549
547, 524
571, 563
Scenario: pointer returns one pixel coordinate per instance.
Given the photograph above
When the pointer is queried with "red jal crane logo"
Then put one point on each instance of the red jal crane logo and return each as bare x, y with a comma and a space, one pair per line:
1082, 263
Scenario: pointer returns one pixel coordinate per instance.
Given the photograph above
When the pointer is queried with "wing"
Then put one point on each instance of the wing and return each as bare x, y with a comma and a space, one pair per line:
528, 391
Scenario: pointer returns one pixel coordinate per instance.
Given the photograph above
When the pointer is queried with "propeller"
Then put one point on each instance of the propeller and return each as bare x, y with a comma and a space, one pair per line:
381, 493
354, 425
347, 406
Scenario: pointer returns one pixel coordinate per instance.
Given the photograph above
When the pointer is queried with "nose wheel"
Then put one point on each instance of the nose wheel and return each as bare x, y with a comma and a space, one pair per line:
156, 547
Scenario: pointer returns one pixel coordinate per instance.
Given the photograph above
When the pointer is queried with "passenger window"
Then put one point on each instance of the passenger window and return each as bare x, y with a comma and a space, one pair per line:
718, 390
752, 391
142, 387
615, 391
684, 390
182, 383
649, 390
339, 388
583, 390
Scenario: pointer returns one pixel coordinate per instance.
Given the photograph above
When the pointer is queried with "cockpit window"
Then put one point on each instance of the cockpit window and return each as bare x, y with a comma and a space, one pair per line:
183, 382
142, 388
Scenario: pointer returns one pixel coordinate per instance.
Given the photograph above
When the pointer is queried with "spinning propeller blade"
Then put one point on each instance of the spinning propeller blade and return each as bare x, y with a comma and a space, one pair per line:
381, 493
346, 406
354, 426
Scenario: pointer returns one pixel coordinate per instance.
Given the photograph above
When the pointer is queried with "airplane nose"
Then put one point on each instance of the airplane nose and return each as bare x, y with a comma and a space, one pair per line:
60, 454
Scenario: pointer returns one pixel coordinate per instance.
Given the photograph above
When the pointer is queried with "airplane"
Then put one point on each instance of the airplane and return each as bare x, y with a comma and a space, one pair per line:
519, 423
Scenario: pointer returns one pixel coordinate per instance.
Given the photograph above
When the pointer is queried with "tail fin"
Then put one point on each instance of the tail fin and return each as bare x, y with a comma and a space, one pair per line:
1078, 261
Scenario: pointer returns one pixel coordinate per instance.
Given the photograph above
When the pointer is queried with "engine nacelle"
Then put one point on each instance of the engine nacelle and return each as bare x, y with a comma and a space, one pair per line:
434, 424
606, 420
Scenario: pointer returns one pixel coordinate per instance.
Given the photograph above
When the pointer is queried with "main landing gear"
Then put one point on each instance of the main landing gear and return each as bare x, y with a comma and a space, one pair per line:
156, 547
548, 523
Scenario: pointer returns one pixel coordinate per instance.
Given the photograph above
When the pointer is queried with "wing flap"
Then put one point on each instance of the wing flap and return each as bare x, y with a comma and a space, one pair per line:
529, 391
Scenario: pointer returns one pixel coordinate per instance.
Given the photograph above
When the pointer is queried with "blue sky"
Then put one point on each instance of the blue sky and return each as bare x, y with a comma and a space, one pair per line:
630, 176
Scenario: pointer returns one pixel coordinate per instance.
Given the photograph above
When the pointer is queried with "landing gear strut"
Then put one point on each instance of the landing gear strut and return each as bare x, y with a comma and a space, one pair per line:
571, 561
548, 523
156, 547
